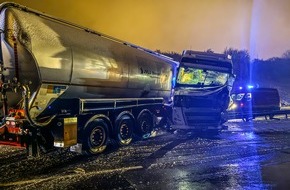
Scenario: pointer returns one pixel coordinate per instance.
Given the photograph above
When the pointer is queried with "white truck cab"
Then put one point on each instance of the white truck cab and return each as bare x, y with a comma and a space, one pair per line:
201, 93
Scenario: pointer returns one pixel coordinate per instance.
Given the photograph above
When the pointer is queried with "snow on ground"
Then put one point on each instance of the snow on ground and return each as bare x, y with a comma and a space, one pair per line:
261, 125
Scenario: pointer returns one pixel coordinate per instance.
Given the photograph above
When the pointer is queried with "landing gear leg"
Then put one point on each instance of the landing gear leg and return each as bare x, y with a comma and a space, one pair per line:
32, 147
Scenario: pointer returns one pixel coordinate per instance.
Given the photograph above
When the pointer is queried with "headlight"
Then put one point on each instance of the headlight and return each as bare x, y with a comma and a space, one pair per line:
233, 106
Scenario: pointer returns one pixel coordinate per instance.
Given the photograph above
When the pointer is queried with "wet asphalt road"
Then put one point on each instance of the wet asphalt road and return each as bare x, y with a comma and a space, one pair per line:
248, 155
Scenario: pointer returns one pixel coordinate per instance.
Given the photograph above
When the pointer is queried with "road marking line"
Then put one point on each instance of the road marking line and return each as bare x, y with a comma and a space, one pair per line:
71, 175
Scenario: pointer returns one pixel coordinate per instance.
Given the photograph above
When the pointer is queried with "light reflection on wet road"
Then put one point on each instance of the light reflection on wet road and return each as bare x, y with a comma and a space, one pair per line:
246, 156
232, 160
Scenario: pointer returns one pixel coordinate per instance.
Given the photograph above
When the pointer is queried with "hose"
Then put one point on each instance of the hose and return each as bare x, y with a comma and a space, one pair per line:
26, 94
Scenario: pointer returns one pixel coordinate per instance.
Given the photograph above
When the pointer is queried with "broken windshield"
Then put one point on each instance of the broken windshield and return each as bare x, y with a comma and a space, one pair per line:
201, 77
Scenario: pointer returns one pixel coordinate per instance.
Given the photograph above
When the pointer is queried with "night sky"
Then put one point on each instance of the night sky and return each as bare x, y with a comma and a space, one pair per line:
260, 26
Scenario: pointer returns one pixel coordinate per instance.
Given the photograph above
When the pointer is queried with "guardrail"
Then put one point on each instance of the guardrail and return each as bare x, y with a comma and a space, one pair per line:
267, 114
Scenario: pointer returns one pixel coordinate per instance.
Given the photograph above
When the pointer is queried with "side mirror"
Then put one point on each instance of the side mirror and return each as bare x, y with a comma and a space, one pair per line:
231, 80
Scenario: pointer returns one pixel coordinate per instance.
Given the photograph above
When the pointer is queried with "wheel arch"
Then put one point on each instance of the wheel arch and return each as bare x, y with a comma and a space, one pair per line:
144, 111
104, 118
120, 115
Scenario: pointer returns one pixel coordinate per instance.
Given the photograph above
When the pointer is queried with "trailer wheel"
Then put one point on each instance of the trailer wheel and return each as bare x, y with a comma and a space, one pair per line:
145, 124
124, 130
95, 137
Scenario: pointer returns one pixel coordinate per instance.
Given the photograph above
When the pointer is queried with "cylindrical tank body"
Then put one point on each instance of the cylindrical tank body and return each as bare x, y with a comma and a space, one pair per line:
62, 60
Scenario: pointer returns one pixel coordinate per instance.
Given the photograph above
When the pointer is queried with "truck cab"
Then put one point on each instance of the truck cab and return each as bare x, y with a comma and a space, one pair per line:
201, 92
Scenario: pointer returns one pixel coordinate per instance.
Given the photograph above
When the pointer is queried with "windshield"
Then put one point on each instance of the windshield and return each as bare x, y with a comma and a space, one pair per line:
201, 77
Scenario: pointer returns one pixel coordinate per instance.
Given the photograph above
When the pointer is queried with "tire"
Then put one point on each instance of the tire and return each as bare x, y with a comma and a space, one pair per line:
95, 137
248, 118
145, 124
124, 126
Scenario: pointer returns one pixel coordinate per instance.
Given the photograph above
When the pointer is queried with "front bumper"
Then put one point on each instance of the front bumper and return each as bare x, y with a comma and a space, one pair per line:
197, 118
201, 127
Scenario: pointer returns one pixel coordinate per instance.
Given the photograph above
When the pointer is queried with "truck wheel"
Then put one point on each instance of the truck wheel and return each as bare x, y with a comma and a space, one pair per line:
124, 130
95, 137
247, 119
145, 124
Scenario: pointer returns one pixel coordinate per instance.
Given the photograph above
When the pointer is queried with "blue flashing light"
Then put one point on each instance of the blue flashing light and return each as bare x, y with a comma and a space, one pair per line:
240, 88
174, 79
250, 86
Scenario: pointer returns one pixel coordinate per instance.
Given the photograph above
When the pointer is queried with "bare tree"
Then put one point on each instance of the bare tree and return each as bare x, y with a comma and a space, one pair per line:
286, 54
241, 63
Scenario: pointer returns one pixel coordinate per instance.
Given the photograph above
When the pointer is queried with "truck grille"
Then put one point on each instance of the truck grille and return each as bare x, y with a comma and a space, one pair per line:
202, 110
187, 101
194, 117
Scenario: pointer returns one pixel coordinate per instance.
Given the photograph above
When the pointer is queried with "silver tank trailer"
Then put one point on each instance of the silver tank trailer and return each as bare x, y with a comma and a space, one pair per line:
57, 59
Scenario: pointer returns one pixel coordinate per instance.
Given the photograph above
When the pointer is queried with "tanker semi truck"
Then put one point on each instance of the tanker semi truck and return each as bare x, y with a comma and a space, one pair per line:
63, 85
202, 91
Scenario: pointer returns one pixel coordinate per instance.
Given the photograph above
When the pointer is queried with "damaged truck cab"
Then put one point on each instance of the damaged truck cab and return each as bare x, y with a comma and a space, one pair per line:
201, 93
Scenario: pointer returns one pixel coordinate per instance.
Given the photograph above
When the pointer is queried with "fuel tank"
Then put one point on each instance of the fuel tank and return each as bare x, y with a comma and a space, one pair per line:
58, 59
